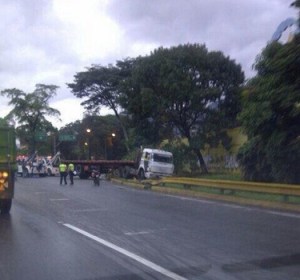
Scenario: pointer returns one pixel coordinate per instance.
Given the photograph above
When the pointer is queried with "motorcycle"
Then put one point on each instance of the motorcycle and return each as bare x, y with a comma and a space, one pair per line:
96, 177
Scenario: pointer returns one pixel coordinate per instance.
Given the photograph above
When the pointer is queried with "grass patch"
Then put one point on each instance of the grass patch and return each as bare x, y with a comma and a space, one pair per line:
232, 176
222, 176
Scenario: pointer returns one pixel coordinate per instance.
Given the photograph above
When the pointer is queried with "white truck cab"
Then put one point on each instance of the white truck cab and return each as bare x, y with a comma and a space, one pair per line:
155, 163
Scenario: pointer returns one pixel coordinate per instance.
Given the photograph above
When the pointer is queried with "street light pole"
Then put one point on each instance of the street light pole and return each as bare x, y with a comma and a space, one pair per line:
88, 130
108, 144
52, 136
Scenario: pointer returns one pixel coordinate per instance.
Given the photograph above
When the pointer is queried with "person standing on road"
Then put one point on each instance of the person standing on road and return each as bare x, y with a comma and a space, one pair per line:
63, 173
71, 172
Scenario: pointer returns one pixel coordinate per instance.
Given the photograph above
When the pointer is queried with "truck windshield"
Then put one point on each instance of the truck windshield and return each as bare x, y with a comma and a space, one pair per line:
162, 158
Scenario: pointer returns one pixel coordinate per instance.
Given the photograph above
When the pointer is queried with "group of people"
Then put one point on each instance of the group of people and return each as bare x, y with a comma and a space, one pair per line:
64, 171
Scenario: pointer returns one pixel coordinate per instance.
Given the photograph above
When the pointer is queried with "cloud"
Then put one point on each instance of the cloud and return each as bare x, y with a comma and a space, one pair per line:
235, 27
91, 31
33, 45
49, 41
71, 111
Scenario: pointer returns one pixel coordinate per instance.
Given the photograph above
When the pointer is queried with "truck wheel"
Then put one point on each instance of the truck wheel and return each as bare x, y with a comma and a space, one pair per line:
5, 205
117, 173
126, 173
141, 174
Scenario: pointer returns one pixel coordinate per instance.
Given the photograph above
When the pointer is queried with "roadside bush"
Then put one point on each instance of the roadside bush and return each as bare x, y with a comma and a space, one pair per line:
252, 160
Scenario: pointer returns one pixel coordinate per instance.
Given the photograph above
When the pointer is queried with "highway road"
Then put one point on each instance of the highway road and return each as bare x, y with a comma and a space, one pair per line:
84, 232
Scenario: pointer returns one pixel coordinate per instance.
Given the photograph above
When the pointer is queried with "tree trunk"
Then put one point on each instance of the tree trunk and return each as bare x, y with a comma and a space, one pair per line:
123, 129
197, 153
201, 161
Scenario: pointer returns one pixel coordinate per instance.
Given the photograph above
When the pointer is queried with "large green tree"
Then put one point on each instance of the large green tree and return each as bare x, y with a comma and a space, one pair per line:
29, 110
187, 89
100, 87
147, 119
271, 115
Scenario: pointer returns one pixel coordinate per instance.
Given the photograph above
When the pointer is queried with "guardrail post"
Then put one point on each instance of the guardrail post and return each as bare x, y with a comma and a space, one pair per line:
285, 198
227, 191
147, 186
232, 192
187, 187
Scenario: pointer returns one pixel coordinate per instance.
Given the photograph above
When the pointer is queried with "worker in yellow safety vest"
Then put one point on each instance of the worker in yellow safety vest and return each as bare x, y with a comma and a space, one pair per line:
71, 172
63, 173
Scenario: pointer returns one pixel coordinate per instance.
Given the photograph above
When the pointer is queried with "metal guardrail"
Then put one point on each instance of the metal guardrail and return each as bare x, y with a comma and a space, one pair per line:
284, 190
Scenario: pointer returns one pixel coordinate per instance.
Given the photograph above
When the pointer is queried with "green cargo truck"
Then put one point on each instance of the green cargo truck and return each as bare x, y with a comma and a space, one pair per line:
7, 167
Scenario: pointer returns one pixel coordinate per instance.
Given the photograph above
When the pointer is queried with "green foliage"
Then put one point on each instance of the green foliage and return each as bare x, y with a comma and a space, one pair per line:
180, 158
100, 87
184, 89
175, 90
184, 159
253, 161
30, 111
271, 116
99, 142
3, 122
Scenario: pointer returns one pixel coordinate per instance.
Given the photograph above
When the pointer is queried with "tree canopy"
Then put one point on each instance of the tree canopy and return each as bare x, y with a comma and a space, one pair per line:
271, 116
30, 111
97, 137
99, 86
188, 89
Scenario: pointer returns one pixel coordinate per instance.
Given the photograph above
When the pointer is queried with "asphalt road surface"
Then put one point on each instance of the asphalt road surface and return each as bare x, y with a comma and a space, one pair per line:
110, 232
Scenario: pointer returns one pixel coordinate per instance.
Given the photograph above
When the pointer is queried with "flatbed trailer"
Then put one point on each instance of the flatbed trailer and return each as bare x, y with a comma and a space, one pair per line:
149, 163
84, 168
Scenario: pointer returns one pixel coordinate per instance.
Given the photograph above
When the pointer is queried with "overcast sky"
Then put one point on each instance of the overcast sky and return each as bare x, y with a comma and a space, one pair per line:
49, 41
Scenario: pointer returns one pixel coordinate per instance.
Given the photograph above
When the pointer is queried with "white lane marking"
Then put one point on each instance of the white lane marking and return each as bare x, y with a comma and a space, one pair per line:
58, 199
191, 199
199, 200
89, 210
149, 231
242, 207
133, 256
137, 232
290, 215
